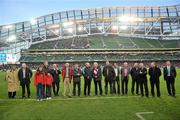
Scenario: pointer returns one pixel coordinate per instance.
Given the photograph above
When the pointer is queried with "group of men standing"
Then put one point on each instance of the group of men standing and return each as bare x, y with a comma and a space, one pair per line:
114, 77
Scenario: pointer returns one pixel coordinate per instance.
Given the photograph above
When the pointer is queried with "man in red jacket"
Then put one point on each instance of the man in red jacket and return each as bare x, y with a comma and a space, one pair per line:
67, 76
39, 82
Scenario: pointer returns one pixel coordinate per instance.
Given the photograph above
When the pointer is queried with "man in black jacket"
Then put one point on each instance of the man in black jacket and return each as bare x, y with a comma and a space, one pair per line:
96, 73
109, 77
134, 76
117, 80
76, 79
169, 76
142, 71
87, 72
24, 75
56, 79
154, 73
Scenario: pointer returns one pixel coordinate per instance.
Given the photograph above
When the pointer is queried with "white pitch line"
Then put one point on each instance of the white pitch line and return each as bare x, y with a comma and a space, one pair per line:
76, 98
139, 115
64, 99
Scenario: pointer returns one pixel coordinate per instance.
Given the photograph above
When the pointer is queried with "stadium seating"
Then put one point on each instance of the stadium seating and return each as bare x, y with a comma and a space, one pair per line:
106, 42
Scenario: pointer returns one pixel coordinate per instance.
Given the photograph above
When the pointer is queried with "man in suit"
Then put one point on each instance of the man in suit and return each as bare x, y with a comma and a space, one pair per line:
24, 75
76, 79
96, 73
117, 80
109, 77
56, 79
134, 76
154, 73
87, 72
142, 71
169, 76
125, 77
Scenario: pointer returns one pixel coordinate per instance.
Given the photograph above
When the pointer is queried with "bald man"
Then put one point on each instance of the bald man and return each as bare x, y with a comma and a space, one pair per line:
169, 77
125, 78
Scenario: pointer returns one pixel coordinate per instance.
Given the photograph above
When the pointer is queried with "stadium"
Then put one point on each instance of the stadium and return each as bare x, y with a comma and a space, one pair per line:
115, 34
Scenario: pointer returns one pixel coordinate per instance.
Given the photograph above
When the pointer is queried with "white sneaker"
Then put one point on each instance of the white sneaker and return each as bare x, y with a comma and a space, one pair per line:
47, 98
50, 98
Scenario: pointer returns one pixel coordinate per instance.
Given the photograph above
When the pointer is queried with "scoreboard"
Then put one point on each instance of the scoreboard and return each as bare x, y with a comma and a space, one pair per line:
3, 57
7, 58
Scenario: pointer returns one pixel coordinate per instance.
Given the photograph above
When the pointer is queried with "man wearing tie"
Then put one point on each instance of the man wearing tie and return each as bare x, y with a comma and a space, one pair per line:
24, 75
109, 75
124, 77
169, 76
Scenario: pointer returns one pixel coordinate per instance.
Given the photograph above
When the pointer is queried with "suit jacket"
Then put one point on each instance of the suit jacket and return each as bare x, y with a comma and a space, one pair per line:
172, 72
87, 73
154, 73
118, 71
142, 72
55, 75
111, 73
122, 73
77, 75
28, 75
134, 73
97, 76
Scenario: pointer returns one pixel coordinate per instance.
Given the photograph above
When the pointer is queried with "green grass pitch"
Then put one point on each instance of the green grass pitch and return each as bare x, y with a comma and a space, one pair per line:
110, 107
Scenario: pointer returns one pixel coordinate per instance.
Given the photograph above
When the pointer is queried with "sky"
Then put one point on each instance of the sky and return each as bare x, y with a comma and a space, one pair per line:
12, 11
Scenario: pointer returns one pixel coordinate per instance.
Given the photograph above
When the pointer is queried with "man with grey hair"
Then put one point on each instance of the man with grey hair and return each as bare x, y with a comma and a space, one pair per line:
67, 77
87, 79
134, 76
142, 71
97, 78
169, 76
24, 75
109, 75
125, 77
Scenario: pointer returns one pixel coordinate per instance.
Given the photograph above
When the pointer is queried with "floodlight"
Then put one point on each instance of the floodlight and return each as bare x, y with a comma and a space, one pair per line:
68, 23
8, 26
70, 30
11, 38
80, 28
123, 27
100, 27
114, 27
33, 21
